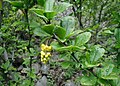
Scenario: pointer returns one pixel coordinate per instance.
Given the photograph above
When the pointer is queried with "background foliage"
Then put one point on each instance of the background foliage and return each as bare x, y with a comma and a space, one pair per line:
84, 35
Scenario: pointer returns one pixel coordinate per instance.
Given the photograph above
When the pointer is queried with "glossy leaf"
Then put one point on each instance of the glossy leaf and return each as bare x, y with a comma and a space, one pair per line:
18, 4
111, 76
60, 32
69, 24
89, 65
49, 15
61, 6
41, 2
88, 80
39, 13
96, 53
1, 4
117, 36
1, 50
82, 38
48, 28
116, 82
106, 72
74, 33
34, 24
65, 65
5, 65
59, 47
103, 82
49, 5
56, 45
69, 48
40, 32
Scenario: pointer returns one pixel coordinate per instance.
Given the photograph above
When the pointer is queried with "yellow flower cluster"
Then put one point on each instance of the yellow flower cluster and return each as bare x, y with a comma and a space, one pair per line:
45, 53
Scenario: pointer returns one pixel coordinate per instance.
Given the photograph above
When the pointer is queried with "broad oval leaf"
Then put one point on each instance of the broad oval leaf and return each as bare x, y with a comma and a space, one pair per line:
111, 76
18, 4
41, 2
61, 6
74, 33
108, 69
49, 15
48, 29
39, 13
117, 36
69, 48
82, 38
89, 65
55, 45
40, 32
69, 24
49, 5
62, 48
60, 32
88, 80
96, 53
65, 65
1, 50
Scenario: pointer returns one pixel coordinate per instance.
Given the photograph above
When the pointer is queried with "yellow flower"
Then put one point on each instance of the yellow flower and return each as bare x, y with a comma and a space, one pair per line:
49, 48
41, 56
48, 53
43, 47
42, 53
45, 54
48, 58
44, 62
44, 59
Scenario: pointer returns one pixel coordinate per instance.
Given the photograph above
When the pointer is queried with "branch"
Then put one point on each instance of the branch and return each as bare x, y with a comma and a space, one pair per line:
78, 14
28, 26
101, 9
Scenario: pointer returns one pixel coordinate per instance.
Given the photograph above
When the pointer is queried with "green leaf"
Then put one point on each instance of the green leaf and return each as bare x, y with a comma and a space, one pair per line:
69, 24
96, 53
103, 82
88, 80
40, 32
1, 50
61, 7
18, 4
74, 33
34, 24
49, 5
106, 72
41, 2
60, 32
89, 65
1, 3
5, 65
107, 32
65, 65
82, 38
39, 13
111, 76
116, 82
117, 36
48, 29
108, 69
58, 47
49, 15
68, 48
55, 45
